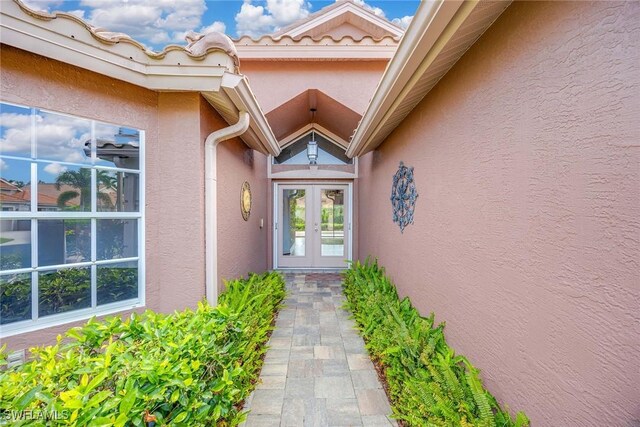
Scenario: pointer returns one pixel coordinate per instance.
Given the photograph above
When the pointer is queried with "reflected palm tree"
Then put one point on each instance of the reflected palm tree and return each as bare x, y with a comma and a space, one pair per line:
81, 181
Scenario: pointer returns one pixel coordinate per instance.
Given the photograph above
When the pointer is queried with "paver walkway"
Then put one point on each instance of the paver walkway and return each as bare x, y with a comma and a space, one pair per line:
317, 371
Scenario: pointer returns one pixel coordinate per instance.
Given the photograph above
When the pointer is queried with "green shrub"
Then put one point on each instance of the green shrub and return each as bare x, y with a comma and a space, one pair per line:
186, 368
428, 383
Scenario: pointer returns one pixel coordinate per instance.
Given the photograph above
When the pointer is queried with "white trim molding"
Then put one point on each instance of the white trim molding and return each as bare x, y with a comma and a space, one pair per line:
439, 34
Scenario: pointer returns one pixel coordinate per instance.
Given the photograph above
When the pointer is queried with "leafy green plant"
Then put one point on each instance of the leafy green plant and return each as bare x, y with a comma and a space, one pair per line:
187, 368
427, 382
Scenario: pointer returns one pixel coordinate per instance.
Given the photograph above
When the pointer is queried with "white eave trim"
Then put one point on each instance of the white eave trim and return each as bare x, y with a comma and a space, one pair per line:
435, 25
426, 27
234, 96
72, 43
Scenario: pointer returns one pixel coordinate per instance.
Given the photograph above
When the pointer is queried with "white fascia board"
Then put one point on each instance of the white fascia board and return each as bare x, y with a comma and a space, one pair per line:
317, 52
294, 136
126, 62
427, 27
237, 89
350, 7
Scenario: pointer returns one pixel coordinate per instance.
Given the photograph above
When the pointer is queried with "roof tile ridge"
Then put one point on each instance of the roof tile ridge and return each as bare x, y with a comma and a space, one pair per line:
284, 38
113, 38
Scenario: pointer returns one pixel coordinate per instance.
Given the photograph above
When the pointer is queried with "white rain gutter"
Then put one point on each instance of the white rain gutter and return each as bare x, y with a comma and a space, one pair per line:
211, 201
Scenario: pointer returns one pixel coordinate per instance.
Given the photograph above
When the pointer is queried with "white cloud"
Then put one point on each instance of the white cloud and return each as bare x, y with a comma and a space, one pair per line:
3, 165
376, 10
157, 22
255, 21
55, 168
403, 22
16, 137
58, 137
218, 26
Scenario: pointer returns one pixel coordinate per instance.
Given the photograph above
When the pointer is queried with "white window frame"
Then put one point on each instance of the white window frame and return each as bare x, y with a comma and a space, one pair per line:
36, 322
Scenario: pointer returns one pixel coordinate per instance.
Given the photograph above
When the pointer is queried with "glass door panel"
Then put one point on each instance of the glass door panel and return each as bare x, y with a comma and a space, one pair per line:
294, 222
311, 227
293, 226
332, 222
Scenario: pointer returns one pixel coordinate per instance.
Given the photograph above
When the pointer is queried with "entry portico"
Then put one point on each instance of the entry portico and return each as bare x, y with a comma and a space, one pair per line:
328, 66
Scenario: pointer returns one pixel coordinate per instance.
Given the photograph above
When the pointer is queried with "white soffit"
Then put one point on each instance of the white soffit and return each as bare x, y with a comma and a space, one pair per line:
66, 38
440, 33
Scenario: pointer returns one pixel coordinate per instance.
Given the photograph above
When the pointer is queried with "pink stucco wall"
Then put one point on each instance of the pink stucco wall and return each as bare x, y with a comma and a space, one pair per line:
175, 204
242, 245
175, 126
527, 229
351, 83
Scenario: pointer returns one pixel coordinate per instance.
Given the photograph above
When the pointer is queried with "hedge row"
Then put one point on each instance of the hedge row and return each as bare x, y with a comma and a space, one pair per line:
187, 368
428, 383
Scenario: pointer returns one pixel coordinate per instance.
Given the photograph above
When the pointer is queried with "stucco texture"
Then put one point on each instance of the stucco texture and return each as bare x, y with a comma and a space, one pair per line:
351, 83
242, 245
175, 125
527, 227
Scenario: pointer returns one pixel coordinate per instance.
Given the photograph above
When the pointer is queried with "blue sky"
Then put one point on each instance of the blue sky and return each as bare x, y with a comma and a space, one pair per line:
157, 23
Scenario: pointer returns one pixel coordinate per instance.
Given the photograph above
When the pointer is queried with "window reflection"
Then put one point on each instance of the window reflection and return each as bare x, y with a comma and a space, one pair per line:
332, 222
117, 282
328, 152
116, 238
117, 191
294, 223
15, 244
63, 188
80, 174
64, 241
64, 290
15, 185
117, 146
15, 298
15, 131
62, 138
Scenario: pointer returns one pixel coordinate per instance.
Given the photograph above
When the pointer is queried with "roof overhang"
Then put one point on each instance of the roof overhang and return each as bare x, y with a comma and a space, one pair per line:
234, 96
66, 38
440, 33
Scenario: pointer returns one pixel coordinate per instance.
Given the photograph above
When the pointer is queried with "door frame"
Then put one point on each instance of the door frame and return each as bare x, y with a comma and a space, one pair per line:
275, 216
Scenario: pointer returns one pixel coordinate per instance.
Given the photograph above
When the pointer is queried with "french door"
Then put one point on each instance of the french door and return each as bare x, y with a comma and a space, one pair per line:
312, 226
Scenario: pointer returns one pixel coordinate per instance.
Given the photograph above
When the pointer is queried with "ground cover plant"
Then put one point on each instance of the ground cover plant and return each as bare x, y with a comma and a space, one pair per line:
187, 368
428, 384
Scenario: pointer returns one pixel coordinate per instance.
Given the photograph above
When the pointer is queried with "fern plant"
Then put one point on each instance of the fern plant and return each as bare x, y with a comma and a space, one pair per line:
427, 382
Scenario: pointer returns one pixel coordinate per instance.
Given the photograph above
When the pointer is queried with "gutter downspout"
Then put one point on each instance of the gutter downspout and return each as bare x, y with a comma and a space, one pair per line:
211, 201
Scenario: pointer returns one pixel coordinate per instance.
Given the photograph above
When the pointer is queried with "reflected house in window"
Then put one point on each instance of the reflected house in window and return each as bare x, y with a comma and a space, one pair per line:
119, 149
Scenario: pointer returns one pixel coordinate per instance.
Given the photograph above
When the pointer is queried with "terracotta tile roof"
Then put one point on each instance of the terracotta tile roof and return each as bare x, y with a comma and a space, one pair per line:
47, 195
198, 48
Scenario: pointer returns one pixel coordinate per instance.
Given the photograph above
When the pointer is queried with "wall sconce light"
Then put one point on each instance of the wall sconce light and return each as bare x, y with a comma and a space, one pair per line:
312, 150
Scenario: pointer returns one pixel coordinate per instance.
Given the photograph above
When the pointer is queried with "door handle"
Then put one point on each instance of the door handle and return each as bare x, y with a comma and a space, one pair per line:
315, 227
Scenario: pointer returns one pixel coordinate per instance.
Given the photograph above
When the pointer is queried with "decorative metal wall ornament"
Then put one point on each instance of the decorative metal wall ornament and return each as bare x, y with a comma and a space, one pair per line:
403, 196
245, 200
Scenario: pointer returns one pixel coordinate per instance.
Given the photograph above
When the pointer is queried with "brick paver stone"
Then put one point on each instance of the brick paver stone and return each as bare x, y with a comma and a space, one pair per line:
317, 371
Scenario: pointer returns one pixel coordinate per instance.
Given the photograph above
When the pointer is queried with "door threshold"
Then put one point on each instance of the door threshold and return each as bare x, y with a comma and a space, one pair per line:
303, 270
